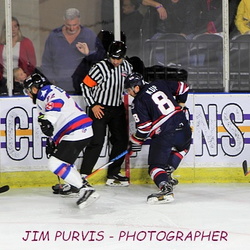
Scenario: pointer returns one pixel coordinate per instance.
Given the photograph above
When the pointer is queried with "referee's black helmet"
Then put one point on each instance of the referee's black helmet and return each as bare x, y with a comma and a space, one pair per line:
117, 50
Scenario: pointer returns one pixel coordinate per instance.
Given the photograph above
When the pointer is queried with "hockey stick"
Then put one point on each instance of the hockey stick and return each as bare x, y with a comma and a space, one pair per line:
108, 163
59, 181
4, 188
127, 157
57, 187
245, 168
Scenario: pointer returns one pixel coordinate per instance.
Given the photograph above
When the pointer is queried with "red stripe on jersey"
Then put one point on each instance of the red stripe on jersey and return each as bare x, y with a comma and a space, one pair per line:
77, 124
58, 105
145, 127
73, 127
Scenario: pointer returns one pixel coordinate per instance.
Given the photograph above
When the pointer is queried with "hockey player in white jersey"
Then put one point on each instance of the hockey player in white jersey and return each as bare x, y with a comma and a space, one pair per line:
69, 130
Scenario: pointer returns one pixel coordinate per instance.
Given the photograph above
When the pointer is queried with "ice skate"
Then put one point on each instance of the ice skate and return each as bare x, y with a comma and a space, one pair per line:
69, 191
173, 181
85, 182
169, 170
165, 195
57, 188
117, 180
88, 195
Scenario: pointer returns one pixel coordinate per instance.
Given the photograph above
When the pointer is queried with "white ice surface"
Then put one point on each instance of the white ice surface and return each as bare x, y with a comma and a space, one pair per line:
54, 222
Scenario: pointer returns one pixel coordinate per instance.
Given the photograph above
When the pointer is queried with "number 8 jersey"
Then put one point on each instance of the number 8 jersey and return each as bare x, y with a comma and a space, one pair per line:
155, 108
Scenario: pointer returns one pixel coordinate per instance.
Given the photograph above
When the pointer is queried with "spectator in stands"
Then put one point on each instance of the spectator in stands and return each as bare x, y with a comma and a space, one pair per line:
209, 22
87, 62
131, 21
158, 6
242, 19
23, 53
210, 16
181, 17
65, 48
233, 5
19, 76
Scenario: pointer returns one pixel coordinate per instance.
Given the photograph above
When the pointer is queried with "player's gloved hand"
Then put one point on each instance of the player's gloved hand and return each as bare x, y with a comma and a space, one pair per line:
135, 144
186, 112
185, 109
133, 147
46, 126
50, 147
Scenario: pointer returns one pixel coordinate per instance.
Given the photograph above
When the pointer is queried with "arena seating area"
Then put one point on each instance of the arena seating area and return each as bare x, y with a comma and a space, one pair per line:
202, 58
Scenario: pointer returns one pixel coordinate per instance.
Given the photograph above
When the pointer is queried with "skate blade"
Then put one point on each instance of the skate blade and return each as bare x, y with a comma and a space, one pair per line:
72, 195
115, 183
91, 199
160, 200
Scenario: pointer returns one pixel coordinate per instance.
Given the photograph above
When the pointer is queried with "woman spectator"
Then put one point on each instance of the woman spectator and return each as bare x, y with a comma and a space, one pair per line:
23, 53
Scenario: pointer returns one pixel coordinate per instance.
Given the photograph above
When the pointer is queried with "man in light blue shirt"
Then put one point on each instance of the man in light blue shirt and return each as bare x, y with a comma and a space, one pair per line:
65, 48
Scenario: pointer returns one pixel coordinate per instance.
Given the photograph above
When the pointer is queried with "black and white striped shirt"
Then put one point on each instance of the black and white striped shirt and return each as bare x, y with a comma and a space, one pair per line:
104, 83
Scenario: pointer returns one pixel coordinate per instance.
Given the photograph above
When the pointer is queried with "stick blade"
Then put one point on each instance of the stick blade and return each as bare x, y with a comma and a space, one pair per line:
4, 188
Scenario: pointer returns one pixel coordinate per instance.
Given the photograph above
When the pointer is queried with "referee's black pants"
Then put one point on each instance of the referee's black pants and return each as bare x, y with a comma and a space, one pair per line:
115, 119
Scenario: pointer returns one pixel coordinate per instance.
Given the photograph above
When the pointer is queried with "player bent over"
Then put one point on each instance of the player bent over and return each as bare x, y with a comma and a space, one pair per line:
158, 112
69, 130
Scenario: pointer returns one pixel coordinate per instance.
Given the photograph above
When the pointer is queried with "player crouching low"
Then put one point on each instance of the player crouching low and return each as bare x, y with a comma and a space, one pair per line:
69, 130
158, 112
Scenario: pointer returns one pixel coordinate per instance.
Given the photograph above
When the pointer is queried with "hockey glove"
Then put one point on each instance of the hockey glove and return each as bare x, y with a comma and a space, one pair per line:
185, 109
50, 147
186, 112
46, 126
135, 144
133, 147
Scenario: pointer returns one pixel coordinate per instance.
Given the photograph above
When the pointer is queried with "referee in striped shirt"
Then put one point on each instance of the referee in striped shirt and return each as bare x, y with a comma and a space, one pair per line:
102, 89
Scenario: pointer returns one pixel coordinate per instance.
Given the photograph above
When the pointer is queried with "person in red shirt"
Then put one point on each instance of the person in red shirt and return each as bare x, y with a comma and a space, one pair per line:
23, 53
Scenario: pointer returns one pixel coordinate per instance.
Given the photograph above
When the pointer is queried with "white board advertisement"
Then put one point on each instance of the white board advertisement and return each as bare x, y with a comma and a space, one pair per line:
220, 123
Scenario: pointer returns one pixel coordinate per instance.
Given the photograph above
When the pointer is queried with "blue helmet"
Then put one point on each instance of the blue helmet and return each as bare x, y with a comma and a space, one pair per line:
133, 79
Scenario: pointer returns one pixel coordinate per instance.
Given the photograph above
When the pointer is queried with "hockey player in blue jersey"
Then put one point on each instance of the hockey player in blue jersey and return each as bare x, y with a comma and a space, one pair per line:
69, 130
158, 112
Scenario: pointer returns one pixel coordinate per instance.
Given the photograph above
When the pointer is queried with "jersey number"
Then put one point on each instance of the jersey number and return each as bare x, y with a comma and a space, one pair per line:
164, 104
